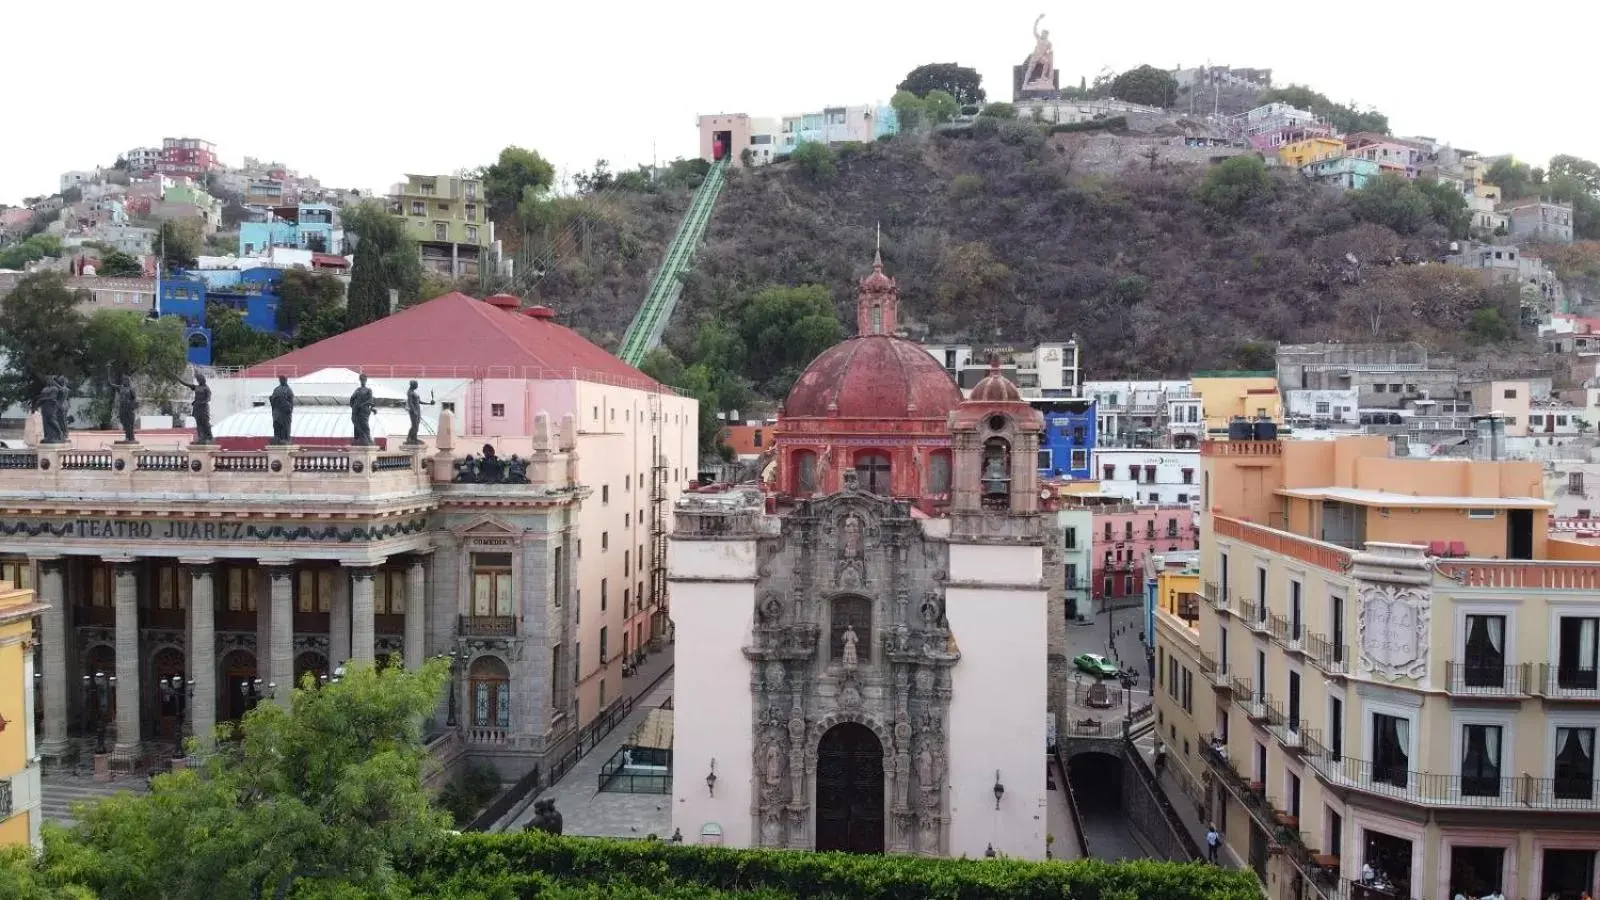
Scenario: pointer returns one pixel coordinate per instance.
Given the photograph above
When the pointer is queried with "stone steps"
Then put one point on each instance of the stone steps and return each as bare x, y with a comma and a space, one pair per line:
60, 792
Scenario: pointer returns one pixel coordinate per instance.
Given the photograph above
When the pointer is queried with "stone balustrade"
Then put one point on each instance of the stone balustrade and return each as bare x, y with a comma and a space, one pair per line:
353, 471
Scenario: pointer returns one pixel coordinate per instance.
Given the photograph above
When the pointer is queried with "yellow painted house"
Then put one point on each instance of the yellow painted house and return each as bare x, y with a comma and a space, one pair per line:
1225, 396
19, 775
1310, 150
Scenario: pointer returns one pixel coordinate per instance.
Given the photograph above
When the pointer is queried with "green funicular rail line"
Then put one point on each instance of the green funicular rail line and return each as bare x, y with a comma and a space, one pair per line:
656, 310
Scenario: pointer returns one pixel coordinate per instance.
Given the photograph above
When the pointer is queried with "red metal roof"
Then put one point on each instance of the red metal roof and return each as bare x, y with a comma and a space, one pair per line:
456, 336
329, 259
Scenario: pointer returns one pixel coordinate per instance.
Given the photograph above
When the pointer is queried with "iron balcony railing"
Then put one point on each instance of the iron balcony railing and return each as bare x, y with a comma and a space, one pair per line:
489, 626
1569, 682
1215, 671
1288, 633
1488, 679
1246, 610
1487, 789
1215, 597
1331, 658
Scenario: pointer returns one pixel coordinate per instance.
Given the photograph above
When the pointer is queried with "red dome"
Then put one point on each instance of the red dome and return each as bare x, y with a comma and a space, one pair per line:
996, 388
874, 377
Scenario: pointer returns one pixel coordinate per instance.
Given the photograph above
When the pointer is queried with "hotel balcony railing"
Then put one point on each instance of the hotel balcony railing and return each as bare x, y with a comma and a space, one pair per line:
1568, 682
1282, 827
1258, 619
1330, 658
1215, 671
1215, 597
1491, 680
1469, 791
489, 626
1255, 704
1321, 554
1296, 735
1246, 610
1289, 634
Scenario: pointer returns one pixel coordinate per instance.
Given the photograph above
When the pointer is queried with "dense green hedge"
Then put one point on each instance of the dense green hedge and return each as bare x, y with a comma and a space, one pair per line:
532, 864
1113, 123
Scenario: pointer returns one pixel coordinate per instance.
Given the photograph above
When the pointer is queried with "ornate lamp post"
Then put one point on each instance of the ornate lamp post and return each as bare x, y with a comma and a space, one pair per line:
97, 692
338, 676
254, 692
457, 660
177, 690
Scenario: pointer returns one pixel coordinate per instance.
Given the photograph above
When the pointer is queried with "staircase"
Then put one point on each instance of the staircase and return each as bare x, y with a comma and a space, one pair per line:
656, 310
60, 791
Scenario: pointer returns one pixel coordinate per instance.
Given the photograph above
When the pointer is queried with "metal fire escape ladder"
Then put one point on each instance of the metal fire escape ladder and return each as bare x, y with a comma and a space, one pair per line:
656, 311
475, 399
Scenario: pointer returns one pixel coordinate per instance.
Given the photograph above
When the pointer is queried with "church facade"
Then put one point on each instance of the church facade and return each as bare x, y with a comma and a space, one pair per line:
865, 645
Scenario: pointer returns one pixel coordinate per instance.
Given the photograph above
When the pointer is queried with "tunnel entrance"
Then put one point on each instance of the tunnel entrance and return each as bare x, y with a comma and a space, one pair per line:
1097, 782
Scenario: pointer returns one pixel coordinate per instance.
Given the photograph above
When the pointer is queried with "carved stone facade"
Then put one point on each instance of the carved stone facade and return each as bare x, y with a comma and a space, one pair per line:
834, 558
1395, 611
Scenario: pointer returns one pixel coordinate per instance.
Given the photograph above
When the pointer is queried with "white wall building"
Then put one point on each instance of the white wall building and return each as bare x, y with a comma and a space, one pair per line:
1324, 407
1045, 370
1138, 413
1166, 477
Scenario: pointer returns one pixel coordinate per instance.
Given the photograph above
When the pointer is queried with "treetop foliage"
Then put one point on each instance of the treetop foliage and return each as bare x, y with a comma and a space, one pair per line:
1146, 85
960, 82
1342, 116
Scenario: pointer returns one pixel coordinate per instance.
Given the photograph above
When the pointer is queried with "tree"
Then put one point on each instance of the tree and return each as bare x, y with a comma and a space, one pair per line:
235, 344
179, 244
1236, 185
784, 328
41, 336
816, 160
1146, 85
940, 107
22, 879
1392, 201
960, 82
999, 110
1343, 116
302, 294
29, 250
516, 172
1586, 172
117, 264
385, 260
1514, 179
1569, 188
1446, 205
131, 344
910, 109
326, 794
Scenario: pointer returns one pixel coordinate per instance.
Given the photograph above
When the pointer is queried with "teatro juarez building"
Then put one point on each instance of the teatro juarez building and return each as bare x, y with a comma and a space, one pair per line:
187, 583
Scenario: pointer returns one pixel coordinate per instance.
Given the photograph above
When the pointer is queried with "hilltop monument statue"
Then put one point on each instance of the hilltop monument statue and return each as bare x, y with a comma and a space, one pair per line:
1039, 72
200, 408
282, 403
414, 407
362, 406
127, 405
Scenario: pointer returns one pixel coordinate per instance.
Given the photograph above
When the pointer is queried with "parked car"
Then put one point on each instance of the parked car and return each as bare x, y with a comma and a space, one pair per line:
1096, 665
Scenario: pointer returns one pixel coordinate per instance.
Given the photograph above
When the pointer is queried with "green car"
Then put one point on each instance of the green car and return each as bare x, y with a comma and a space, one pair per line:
1097, 665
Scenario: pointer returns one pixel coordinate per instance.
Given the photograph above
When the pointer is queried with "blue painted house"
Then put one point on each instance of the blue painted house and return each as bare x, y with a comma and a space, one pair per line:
186, 295
309, 226
183, 295
1066, 449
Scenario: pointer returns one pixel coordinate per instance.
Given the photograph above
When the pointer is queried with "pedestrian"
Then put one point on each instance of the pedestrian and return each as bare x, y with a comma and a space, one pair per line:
1213, 840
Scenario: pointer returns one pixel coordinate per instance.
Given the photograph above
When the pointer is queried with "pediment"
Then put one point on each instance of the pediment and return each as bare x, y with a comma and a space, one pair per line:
487, 526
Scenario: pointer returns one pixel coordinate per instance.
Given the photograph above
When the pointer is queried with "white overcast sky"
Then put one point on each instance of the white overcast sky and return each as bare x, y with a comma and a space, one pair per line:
358, 92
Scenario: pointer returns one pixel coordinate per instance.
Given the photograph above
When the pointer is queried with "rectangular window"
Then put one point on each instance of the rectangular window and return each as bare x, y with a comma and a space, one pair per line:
492, 593
604, 589
418, 208
1391, 749
1484, 653
604, 658
1576, 652
1335, 728
441, 231
605, 540
1080, 460
1574, 764
1072, 575
1044, 460
472, 234
605, 493
626, 556
1071, 538
1294, 611
1261, 589
1480, 760
19, 572
497, 410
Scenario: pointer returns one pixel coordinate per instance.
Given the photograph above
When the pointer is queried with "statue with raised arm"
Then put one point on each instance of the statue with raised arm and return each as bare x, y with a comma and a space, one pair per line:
51, 403
1039, 71
362, 406
282, 403
200, 408
127, 406
414, 407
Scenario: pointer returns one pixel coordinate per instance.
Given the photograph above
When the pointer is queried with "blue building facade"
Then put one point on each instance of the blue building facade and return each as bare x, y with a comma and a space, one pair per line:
184, 296
1066, 449
254, 292
309, 226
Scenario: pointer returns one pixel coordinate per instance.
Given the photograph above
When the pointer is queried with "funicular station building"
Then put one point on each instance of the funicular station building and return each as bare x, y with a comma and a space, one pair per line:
186, 583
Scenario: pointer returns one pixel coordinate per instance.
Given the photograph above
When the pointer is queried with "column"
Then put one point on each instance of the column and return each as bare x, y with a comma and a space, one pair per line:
363, 630
280, 629
416, 617
339, 623
53, 632
129, 698
202, 711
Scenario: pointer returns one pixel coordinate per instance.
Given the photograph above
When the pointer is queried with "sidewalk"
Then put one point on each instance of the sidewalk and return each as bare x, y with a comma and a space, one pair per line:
1188, 812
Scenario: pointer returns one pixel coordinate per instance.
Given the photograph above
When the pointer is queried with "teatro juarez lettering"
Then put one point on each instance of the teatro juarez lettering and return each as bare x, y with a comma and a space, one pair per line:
198, 531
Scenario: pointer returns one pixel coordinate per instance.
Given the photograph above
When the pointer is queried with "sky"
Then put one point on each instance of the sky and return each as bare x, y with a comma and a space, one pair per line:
360, 93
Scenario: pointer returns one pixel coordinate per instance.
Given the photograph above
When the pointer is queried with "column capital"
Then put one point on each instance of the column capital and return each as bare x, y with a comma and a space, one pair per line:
363, 571
49, 564
279, 571
125, 565
197, 560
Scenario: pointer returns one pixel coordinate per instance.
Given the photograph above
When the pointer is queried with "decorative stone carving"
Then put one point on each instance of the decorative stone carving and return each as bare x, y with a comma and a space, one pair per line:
1393, 622
771, 608
848, 656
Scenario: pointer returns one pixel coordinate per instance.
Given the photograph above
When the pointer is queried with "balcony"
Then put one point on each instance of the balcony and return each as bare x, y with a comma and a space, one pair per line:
488, 626
1290, 635
1247, 611
1330, 658
1215, 672
1476, 679
1214, 596
1323, 555
1558, 682
1542, 575
1461, 791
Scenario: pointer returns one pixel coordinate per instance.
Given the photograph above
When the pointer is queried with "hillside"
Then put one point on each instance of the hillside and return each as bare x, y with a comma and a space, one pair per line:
1004, 238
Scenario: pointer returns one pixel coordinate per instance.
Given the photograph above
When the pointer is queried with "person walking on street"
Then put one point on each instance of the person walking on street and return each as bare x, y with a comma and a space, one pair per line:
1212, 841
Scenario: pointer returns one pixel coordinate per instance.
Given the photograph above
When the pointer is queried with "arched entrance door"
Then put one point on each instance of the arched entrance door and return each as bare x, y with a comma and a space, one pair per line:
238, 669
850, 790
310, 663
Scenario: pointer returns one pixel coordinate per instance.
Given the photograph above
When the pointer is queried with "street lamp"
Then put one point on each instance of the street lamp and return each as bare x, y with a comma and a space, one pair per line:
456, 660
176, 690
338, 675
254, 692
97, 692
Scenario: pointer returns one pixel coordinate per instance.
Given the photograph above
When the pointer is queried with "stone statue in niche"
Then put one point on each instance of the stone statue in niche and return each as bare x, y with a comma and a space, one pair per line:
772, 609
850, 538
925, 774
773, 775
848, 657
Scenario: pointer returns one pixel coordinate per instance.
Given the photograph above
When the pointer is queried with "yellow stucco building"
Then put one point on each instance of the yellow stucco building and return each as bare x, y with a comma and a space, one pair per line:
1226, 396
1390, 690
1310, 150
19, 770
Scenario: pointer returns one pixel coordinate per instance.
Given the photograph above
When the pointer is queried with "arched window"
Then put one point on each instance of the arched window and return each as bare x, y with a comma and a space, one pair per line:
805, 472
872, 473
939, 472
490, 691
850, 612
996, 471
